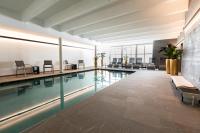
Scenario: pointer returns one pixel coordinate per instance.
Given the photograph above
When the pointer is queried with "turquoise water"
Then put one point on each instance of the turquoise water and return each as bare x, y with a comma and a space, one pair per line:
21, 96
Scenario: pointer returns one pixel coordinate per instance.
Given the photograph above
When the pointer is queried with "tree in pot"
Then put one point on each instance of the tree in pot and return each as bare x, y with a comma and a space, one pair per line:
125, 60
95, 61
168, 53
174, 61
101, 55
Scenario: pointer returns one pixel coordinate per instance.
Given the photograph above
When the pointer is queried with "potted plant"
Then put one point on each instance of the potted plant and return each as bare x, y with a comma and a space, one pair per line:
168, 53
101, 55
125, 60
174, 61
95, 61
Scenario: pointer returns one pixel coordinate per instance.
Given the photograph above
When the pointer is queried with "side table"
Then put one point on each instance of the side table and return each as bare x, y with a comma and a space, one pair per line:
36, 69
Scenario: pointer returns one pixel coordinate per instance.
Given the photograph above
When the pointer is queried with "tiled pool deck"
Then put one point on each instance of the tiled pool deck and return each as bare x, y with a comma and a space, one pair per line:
7, 79
144, 102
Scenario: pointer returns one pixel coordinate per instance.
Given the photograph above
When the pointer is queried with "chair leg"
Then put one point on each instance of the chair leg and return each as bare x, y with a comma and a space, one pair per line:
32, 71
52, 69
16, 72
25, 72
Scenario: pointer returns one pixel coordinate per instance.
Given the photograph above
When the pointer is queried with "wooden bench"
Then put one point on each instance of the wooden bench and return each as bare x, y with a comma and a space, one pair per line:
187, 89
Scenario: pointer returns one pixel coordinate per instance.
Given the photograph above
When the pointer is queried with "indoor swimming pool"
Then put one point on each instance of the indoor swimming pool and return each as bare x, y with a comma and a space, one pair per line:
24, 104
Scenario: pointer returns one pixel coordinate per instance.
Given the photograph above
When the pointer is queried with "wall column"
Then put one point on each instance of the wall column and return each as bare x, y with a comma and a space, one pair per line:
60, 55
136, 53
122, 54
95, 56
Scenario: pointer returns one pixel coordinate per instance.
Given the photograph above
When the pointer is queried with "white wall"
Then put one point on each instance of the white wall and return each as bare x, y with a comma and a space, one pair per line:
35, 53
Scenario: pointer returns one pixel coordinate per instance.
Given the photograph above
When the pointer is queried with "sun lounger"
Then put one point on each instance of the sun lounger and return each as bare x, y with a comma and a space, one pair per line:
48, 64
20, 66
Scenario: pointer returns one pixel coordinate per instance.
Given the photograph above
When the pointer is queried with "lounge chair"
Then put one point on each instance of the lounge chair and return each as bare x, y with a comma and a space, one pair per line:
81, 63
136, 66
119, 62
161, 65
67, 65
110, 65
20, 66
115, 65
131, 62
138, 63
48, 64
151, 65
114, 62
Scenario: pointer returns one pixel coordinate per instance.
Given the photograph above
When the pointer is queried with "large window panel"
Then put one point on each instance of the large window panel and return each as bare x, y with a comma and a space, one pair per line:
142, 51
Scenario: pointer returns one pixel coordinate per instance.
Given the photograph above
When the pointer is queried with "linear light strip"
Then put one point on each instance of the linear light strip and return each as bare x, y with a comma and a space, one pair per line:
29, 40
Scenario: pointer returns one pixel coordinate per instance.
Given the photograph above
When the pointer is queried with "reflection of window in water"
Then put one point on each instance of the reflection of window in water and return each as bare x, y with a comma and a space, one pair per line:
48, 82
81, 75
100, 76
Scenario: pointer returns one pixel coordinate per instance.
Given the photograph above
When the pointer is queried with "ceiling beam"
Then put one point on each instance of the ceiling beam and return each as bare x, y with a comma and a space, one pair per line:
152, 22
36, 8
142, 40
161, 27
76, 10
145, 15
108, 13
174, 34
152, 32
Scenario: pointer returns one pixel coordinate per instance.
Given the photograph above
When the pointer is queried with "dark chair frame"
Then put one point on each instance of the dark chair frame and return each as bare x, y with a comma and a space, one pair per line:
48, 64
20, 66
67, 65
81, 63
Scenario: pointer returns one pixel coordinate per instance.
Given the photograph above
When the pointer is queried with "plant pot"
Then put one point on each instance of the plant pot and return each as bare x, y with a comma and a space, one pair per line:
167, 64
173, 67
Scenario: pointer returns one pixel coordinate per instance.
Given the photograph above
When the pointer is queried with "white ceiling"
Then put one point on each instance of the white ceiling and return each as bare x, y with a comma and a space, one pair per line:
115, 22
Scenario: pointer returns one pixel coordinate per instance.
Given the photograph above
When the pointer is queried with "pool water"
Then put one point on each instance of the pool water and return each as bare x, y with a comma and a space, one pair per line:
51, 94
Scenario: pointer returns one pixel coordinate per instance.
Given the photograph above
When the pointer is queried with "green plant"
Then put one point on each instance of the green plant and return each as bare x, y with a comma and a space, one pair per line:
177, 53
126, 59
95, 60
168, 51
101, 55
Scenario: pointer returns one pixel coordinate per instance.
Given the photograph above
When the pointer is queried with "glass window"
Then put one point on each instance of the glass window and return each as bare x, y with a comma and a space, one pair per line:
144, 52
